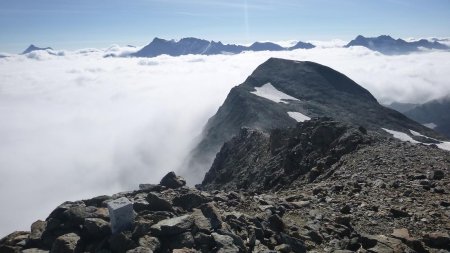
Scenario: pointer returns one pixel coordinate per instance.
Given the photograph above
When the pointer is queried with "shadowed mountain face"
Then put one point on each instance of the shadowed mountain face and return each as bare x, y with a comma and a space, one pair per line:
32, 48
198, 46
265, 46
388, 45
401, 107
434, 114
314, 90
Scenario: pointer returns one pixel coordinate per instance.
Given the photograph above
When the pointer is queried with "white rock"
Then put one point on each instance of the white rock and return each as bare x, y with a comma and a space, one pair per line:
121, 214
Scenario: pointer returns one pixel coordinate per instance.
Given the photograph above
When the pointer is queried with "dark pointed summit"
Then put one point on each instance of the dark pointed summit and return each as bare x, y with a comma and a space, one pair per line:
32, 48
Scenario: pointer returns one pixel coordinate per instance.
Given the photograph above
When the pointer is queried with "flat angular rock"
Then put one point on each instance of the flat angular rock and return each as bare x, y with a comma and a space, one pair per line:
34, 250
97, 227
211, 212
173, 226
156, 203
97, 201
189, 201
121, 214
401, 233
150, 187
201, 223
140, 250
172, 181
225, 243
185, 250
68, 243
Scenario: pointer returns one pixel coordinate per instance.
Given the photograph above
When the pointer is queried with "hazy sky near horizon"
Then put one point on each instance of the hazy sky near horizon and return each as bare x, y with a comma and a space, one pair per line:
66, 24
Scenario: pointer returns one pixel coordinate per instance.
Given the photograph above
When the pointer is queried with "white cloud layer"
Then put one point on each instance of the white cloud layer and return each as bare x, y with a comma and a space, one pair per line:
76, 125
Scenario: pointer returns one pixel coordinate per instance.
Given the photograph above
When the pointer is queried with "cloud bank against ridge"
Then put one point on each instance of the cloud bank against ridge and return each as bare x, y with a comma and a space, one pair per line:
76, 125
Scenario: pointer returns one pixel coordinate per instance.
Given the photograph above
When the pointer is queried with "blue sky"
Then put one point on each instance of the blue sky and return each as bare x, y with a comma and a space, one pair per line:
71, 24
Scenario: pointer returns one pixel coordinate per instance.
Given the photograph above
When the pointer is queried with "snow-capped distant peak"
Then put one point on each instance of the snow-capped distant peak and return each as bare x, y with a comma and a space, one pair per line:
267, 91
299, 117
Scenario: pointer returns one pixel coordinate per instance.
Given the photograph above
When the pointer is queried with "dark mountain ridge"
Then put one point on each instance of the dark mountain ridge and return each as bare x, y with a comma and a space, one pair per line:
191, 45
387, 45
319, 92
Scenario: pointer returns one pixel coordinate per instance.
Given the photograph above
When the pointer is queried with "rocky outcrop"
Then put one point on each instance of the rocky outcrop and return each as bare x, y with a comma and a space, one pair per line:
255, 160
316, 218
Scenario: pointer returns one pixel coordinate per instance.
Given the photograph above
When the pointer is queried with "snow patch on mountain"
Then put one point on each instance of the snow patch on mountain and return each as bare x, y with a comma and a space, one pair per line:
267, 91
445, 145
430, 125
400, 135
299, 117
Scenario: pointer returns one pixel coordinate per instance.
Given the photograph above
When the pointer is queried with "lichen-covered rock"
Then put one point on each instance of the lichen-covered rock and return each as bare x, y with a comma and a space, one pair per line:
68, 243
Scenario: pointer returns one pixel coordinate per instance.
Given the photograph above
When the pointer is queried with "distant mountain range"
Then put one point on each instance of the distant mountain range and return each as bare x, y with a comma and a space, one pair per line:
32, 48
387, 45
384, 44
204, 47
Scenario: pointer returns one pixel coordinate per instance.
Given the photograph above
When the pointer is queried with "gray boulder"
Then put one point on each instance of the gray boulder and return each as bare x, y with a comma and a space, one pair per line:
173, 226
68, 243
172, 181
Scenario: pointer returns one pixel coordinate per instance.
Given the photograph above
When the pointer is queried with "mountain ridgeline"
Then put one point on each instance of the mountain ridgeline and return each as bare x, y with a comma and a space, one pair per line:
204, 47
316, 91
387, 45
434, 114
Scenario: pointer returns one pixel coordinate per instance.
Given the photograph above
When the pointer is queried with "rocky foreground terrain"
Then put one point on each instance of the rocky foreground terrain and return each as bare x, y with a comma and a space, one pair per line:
322, 186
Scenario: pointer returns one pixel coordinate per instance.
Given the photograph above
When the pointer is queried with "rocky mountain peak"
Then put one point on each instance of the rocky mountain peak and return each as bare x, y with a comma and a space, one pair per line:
296, 76
279, 93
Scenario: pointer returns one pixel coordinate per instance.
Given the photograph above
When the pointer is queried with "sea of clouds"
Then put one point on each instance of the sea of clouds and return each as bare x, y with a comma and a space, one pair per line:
75, 125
